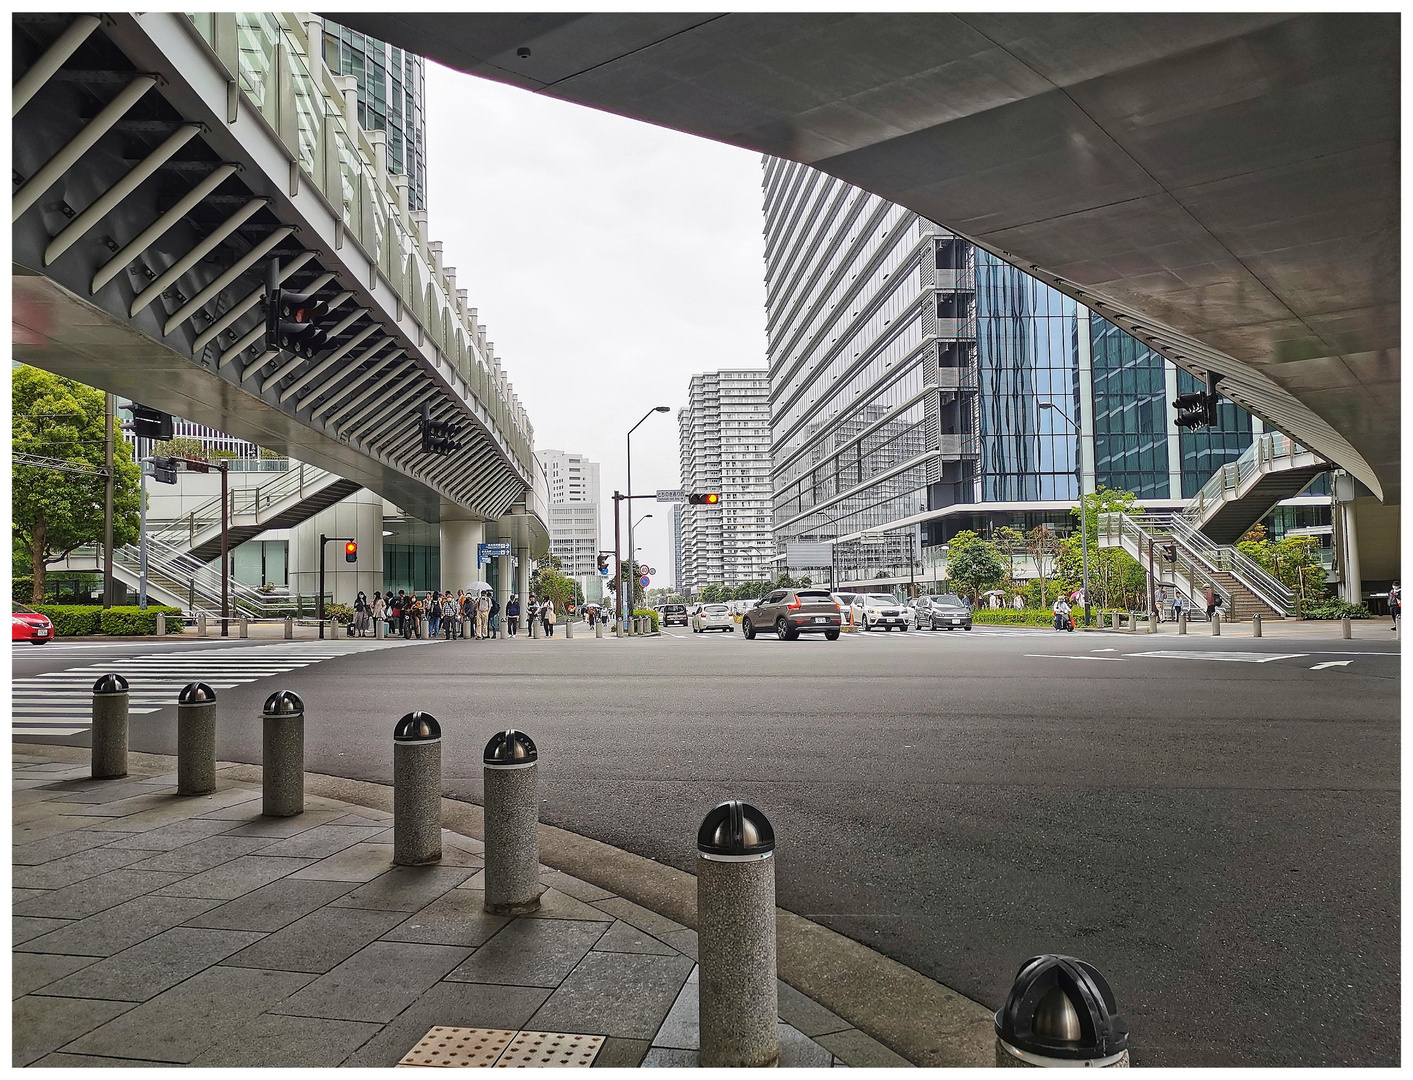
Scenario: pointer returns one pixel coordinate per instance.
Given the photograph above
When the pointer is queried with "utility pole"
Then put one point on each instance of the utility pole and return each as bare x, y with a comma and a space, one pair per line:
226, 555
617, 564
142, 444
109, 491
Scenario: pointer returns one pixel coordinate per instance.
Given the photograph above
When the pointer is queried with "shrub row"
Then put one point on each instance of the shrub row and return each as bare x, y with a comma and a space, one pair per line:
1012, 617
1332, 609
74, 620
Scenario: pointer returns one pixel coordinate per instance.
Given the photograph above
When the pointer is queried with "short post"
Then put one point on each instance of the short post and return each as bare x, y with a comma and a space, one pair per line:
244, 626
196, 739
738, 1003
1398, 628
289, 629
282, 755
598, 628
1346, 628
1256, 625
1116, 617
568, 626
422, 627
380, 629
1216, 624
512, 815
161, 624
1060, 1013
1182, 622
109, 756
201, 626
1133, 622
503, 627
1152, 622
417, 790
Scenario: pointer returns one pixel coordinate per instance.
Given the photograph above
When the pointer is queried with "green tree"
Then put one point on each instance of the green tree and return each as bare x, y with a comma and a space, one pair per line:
559, 588
181, 446
1116, 579
55, 512
973, 564
1294, 561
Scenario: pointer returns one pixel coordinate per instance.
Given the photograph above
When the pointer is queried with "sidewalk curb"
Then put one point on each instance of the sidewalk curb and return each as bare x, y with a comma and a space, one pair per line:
925, 1022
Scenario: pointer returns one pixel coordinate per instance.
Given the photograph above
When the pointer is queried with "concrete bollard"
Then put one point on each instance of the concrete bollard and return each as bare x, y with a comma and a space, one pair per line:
1346, 628
1133, 622
196, 739
1060, 1013
598, 628
568, 627
1152, 622
417, 790
201, 626
422, 628
738, 1003
1216, 624
244, 627
380, 629
1116, 619
289, 629
161, 624
512, 815
1256, 625
1398, 628
535, 627
282, 755
109, 754
1182, 622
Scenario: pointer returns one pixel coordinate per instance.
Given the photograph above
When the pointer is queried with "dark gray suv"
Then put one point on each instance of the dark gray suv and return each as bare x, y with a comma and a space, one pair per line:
792, 612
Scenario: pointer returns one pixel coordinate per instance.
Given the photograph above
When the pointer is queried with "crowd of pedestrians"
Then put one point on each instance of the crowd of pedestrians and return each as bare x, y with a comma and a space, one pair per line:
464, 615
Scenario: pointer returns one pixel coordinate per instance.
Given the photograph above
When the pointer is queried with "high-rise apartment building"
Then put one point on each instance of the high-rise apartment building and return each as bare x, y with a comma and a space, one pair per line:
573, 509
920, 386
724, 436
677, 545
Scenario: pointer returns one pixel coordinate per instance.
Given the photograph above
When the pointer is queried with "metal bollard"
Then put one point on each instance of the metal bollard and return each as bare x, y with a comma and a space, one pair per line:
568, 627
1346, 628
1152, 623
1116, 620
161, 624
109, 754
512, 815
196, 739
1060, 1013
380, 629
289, 629
244, 627
1182, 622
598, 628
282, 755
1256, 625
738, 1003
417, 790
201, 626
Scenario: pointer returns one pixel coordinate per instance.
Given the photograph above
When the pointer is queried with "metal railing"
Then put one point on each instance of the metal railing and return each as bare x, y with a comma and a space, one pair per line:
1259, 457
296, 482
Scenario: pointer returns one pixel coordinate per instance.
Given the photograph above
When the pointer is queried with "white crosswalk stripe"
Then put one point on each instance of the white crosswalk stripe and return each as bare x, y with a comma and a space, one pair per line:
61, 702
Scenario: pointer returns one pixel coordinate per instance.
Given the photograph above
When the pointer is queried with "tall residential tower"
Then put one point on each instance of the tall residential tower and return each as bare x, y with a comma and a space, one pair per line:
573, 509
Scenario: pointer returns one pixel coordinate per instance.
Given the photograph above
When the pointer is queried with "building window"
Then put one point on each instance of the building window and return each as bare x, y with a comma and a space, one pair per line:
1130, 413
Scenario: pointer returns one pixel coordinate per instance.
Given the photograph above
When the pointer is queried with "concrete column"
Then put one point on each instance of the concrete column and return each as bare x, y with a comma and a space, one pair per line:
459, 540
522, 587
1354, 583
505, 585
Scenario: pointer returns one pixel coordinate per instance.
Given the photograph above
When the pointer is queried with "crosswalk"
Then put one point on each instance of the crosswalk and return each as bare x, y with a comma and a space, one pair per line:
61, 702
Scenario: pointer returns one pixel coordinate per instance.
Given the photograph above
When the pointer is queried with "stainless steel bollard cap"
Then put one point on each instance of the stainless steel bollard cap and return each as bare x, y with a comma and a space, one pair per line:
1061, 1007
417, 727
510, 747
111, 683
196, 693
284, 703
735, 828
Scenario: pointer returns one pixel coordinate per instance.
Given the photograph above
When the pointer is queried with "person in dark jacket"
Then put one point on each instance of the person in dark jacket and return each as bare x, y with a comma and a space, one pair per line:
512, 614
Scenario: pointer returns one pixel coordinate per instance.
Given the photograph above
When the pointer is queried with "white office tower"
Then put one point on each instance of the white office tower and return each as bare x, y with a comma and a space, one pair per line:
724, 433
573, 509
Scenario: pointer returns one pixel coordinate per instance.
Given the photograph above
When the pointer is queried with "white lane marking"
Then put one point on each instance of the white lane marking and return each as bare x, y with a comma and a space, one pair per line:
1103, 650
1229, 657
1062, 656
1331, 663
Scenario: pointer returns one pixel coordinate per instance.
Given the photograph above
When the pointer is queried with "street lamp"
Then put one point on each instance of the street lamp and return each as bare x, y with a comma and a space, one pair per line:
656, 409
1083, 509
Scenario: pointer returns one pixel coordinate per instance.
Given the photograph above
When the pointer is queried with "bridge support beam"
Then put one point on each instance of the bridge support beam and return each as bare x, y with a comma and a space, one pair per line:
522, 586
505, 585
458, 551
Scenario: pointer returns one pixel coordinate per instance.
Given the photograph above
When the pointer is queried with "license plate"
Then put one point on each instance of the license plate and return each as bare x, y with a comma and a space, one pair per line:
41, 632
821, 618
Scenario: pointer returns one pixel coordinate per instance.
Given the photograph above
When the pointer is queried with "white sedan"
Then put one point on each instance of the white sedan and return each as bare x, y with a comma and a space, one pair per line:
713, 617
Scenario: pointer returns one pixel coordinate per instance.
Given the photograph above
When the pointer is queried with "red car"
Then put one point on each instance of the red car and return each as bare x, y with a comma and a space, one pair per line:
26, 624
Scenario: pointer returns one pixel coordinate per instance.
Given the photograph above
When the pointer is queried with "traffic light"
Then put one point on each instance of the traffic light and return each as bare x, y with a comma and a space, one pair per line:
150, 423
437, 435
164, 470
710, 499
603, 565
350, 551
291, 323
1192, 411
1169, 552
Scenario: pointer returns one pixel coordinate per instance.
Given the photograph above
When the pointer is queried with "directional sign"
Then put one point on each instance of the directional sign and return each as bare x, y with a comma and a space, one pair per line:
486, 552
872, 538
670, 495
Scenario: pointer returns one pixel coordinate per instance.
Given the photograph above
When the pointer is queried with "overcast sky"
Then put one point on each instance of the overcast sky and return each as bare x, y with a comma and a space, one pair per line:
609, 260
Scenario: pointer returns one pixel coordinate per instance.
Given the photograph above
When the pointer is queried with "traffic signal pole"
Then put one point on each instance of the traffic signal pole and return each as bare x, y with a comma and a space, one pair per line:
225, 553
109, 490
617, 564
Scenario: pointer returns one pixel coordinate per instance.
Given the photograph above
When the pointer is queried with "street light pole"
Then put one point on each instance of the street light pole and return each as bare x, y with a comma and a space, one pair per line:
1083, 505
142, 445
225, 553
656, 409
109, 491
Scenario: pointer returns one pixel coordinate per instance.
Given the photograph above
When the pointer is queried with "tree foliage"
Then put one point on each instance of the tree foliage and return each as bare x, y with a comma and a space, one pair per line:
1116, 579
55, 512
1294, 561
559, 588
973, 564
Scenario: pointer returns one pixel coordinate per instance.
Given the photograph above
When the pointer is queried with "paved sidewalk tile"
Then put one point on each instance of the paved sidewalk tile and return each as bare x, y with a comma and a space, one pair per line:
360, 862
169, 837
799, 1051
60, 1060
192, 1017
283, 828
684, 941
100, 791
457, 917
178, 808
235, 878
406, 888
376, 983
27, 929
51, 808
661, 1057
274, 906
20, 895
641, 917
119, 927
74, 868
806, 1014
622, 994
580, 890
681, 1029
39, 1025
860, 1051
623, 938
320, 941
557, 905
451, 1004
96, 894
321, 841
154, 965
532, 952
31, 971
621, 1053
56, 847
199, 856
288, 1042
30, 831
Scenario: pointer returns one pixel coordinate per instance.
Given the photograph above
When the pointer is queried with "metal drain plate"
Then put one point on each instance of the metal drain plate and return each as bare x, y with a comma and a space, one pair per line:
458, 1048
550, 1050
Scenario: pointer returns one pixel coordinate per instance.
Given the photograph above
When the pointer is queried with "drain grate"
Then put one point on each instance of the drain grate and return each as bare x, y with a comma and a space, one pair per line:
458, 1048
550, 1050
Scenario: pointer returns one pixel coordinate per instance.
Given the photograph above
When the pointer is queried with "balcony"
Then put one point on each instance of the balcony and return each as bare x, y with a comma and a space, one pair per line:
958, 447
950, 280
956, 329
955, 378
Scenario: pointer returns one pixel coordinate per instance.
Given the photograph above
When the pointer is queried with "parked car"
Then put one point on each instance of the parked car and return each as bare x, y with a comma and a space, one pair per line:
792, 612
943, 611
26, 624
674, 613
713, 617
872, 610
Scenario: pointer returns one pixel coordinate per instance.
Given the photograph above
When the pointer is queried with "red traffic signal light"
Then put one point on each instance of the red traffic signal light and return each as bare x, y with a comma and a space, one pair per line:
704, 500
350, 551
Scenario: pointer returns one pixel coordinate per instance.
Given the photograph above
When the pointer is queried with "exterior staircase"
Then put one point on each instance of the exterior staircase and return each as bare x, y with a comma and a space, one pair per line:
1244, 587
1243, 491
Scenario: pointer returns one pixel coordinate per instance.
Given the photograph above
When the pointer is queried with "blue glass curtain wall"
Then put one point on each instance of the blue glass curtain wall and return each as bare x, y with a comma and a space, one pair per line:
1130, 413
1206, 450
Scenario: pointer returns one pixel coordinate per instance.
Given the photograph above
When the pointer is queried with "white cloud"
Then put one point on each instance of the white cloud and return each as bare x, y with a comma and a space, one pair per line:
610, 260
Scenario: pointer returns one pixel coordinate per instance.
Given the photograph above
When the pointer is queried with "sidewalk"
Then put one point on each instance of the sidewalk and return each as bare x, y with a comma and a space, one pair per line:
151, 929
1377, 629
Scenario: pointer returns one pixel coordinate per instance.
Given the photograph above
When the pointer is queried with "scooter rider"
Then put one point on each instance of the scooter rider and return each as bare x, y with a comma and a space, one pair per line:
1062, 615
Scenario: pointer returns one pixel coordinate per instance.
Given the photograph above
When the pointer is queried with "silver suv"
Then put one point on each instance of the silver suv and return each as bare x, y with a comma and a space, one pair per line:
944, 611
792, 612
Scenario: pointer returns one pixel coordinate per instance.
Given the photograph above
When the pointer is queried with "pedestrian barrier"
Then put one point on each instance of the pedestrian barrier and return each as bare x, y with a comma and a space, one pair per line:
282, 755
1152, 622
737, 999
1133, 622
1060, 1013
161, 625
196, 739
109, 754
380, 629
569, 628
201, 626
417, 790
1117, 619
598, 628
1256, 625
510, 774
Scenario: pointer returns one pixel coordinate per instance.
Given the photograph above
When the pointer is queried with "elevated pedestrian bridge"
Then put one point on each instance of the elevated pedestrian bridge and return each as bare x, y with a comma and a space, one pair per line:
160, 161
1243, 491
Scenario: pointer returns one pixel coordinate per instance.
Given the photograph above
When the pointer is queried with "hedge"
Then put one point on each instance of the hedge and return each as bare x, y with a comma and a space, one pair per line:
647, 613
22, 589
72, 620
1332, 609
1012, 617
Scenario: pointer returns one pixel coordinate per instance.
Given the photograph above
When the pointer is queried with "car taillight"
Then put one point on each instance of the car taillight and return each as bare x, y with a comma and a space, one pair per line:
838, 608
794, 604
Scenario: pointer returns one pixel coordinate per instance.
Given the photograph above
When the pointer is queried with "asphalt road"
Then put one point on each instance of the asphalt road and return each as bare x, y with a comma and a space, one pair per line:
1219, 836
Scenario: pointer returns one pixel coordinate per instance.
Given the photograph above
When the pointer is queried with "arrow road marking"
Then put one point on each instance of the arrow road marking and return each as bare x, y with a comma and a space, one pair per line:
1331, 663
1231, 657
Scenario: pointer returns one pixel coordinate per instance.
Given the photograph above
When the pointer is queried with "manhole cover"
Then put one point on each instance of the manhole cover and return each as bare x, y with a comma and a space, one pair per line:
459, 1048
550, 1050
